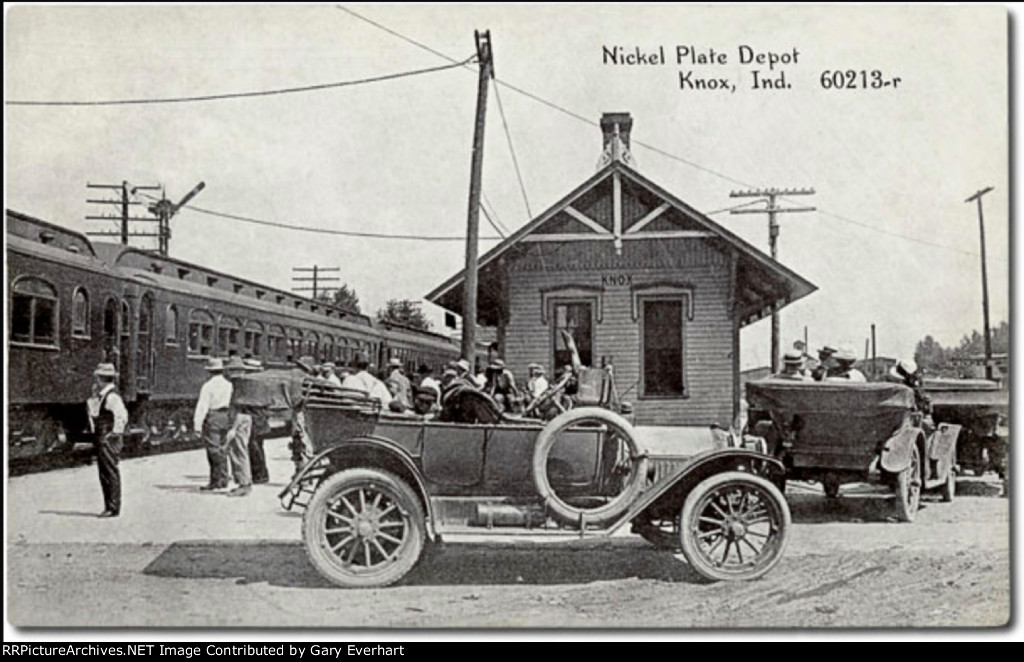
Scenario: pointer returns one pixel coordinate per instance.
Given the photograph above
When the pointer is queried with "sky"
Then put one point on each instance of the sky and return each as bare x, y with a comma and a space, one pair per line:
891, 243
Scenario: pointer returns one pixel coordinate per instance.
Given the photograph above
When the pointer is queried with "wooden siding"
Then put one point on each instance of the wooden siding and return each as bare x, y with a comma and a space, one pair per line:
708, 337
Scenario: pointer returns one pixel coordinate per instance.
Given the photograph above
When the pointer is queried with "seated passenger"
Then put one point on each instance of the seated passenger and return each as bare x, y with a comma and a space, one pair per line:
538, 382
501, 386
792, 367
824, 364
905, 372
844, 370
363, 381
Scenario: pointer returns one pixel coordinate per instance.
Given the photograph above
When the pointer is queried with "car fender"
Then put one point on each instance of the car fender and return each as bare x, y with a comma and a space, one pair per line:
896, 450
677, 483
943, 441
352, 452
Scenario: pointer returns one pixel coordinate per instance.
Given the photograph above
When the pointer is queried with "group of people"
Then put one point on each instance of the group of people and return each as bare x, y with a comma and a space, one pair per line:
232, 430
832, 365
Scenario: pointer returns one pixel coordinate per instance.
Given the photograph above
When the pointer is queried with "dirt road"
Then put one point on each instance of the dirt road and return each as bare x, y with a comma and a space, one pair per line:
181, 558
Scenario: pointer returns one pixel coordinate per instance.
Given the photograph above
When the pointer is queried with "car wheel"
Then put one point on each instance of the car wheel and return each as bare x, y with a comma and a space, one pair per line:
734, 526
908, 488
364, 528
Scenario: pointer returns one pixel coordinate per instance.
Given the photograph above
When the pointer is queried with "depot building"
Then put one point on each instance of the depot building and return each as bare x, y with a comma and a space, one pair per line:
641, 280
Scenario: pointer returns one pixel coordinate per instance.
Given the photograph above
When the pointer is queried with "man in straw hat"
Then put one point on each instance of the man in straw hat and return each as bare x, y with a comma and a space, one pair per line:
792, 367
212, 419
108, 418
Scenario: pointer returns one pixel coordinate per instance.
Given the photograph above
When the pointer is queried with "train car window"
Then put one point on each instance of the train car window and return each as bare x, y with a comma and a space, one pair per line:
200, 332
312, 344
327, 348
80, 313
277, 346
228, 335
171, 325
146, 314
34, 308
253, 338
295, 343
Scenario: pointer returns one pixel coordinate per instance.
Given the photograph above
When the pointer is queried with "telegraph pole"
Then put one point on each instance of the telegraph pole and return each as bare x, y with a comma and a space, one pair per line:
770, 196
984, 281
124, 202
316, 279
486, 64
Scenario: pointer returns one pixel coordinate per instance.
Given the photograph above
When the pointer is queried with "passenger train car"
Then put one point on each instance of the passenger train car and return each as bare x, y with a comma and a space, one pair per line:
73, 304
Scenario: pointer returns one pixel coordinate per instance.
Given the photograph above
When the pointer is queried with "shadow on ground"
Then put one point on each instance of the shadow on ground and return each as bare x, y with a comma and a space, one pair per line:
285, 564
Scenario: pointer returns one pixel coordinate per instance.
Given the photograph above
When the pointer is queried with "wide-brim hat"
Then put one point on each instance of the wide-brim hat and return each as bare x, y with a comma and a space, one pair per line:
105, 370
496, 364
214, 365
395, 362
234, 363
828, 349
904, 368
462, 364
306, 363
845, 355
535, 366
252, 365
793, 358
330, 365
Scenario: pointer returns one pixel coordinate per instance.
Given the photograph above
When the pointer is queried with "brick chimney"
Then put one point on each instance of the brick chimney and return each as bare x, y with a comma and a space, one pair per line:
615, 131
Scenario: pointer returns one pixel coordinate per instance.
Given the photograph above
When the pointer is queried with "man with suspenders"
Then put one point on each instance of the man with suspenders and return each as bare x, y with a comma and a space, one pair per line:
108, 418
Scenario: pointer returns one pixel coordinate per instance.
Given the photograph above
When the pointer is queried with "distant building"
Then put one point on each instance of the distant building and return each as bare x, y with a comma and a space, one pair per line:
637, 277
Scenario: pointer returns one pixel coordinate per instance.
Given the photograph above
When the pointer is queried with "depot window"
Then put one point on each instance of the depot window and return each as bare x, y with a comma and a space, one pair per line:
577, 319
253, 338
34, 308
662, 348
200, 333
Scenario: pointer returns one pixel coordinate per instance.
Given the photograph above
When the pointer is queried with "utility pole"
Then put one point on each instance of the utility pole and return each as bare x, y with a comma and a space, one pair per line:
984, 281
486, 64
124, 202
770, 196
874, 353
316, 279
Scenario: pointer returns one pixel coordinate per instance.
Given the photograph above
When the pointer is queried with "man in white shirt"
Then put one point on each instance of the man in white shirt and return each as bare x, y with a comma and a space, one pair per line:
363, 381
844, 371
108, 418
211, 417
329, 374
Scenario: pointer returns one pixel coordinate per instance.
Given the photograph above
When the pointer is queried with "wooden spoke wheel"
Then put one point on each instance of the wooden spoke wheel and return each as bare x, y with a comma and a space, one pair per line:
364, 528
908, 488
734, 526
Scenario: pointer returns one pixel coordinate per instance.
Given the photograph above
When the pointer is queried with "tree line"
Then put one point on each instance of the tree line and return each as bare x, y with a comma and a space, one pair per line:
942, 361
395, 311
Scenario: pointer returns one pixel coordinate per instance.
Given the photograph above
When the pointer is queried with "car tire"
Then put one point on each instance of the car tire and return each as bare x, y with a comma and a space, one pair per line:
364, 528
908, 488
734, 508
602, 515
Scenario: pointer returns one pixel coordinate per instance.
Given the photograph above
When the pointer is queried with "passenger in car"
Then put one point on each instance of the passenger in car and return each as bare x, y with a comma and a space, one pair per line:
398, 384
844, 370
363, 381
825, 363
328, 373
792, 367
501, 386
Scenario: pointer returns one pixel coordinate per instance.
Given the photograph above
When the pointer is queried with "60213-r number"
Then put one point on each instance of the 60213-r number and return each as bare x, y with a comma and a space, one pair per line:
857, 79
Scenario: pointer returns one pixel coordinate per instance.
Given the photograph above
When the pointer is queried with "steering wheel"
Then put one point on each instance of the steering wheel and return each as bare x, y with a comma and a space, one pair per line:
553, 390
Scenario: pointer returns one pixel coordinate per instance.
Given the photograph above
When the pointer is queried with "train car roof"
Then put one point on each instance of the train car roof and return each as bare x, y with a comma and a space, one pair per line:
154, 263
45, 233
192, 288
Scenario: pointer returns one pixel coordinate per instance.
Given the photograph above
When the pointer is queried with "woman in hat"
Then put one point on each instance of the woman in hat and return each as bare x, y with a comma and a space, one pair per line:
108, 418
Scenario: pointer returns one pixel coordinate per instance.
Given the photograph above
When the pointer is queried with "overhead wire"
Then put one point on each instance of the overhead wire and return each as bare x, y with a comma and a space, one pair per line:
321, 230
653, 148
512, 149
240, 95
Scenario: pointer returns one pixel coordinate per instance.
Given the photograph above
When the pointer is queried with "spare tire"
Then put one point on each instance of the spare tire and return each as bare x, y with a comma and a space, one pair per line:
601, 515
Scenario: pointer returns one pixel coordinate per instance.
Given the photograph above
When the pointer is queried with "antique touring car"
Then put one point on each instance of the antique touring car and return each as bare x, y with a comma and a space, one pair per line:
839, 433
380, 486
